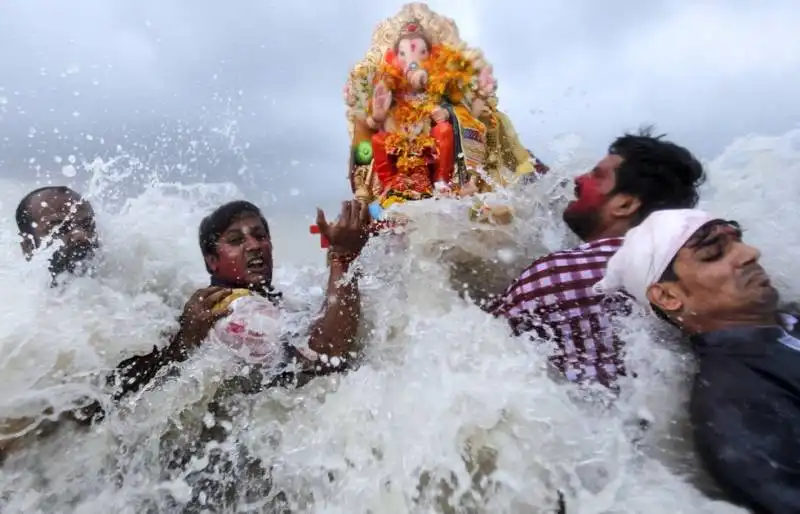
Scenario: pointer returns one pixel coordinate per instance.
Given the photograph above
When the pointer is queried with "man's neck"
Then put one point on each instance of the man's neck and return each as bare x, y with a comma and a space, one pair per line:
262, 289
238, 285
754, 319
618, 229
603, 235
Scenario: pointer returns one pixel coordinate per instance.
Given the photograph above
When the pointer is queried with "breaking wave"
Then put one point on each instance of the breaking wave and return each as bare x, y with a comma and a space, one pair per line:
447, 413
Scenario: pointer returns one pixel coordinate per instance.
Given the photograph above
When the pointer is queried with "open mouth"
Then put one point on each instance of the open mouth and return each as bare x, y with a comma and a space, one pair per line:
256, 263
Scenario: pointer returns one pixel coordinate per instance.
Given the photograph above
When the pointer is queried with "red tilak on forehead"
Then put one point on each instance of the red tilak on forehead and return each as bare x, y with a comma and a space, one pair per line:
413, 47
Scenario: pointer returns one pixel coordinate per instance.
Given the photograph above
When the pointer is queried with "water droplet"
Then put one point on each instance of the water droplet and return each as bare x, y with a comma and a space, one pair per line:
506, 255
69, 171
71, 159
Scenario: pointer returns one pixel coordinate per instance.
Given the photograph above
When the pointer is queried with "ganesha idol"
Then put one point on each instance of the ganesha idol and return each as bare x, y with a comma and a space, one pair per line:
423, 117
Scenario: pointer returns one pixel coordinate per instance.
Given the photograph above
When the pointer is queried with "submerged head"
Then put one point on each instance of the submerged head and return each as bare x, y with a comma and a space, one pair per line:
236, 245
694, 271
58, 215
641, 174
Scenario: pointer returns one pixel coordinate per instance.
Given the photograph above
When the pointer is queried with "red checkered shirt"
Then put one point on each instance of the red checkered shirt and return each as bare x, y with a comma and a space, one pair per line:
554, 299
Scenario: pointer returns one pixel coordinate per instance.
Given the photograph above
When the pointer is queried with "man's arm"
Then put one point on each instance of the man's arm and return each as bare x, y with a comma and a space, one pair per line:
751, 446
198, 317
132, 374
334, 333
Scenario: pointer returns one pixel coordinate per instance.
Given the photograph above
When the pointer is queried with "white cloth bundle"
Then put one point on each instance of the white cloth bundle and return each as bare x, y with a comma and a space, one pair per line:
648, 249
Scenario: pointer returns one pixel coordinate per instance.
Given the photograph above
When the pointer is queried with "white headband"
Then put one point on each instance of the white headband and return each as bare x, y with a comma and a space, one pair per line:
648, 250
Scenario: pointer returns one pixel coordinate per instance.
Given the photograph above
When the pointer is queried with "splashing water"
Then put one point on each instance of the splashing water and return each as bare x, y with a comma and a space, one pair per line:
447, 413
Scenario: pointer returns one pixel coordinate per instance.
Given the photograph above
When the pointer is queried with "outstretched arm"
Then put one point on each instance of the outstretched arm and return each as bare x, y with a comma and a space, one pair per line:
334, 333
198, 317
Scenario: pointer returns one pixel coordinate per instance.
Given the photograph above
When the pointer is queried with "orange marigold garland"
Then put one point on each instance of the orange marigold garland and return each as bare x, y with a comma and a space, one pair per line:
449, 74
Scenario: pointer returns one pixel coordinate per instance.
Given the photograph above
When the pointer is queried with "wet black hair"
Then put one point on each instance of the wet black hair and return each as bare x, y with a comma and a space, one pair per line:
23, 213
215, 224
661, 174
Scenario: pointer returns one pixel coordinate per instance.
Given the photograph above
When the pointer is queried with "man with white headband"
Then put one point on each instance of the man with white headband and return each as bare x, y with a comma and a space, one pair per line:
553, 298
694, 271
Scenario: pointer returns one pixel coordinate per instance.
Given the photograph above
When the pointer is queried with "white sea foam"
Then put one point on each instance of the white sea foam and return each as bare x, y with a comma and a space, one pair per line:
447, 413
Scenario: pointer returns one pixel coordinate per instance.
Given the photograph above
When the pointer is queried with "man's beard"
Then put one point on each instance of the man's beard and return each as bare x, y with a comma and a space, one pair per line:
75, 259
583, 223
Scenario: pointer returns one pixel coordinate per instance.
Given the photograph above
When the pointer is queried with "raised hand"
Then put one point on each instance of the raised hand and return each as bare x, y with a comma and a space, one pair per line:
381, 102
470, 188
480, 109
441, 189
349, 233
418, 78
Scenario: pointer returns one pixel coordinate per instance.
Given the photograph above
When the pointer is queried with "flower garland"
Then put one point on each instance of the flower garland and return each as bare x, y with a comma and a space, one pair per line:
449, 74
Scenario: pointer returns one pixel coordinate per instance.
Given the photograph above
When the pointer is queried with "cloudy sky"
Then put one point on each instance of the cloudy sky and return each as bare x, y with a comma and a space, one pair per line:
250, 91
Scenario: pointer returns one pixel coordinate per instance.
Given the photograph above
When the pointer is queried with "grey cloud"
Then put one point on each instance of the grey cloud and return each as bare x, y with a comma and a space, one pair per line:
155, 77
201, 62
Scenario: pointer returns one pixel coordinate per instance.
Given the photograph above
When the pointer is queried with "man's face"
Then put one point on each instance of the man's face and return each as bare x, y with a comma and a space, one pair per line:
719, 278
66, 220
586, 215
244, 253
